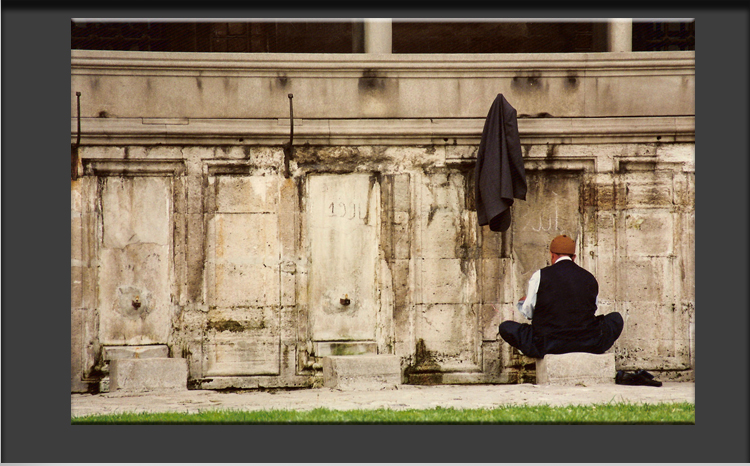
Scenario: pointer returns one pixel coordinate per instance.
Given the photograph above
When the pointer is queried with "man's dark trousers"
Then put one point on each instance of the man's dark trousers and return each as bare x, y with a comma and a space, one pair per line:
535, 345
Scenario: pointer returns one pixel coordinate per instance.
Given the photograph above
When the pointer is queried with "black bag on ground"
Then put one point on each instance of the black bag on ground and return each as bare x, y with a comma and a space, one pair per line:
639, 377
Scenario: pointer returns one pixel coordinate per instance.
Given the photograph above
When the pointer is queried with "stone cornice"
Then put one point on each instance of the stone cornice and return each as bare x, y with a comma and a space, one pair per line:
142, 131
395, 65
366, 90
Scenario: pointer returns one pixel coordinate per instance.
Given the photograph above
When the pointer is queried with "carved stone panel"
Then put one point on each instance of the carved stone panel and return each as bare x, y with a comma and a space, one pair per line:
135, 271
242, 334
343, 231
446, 287
551, 208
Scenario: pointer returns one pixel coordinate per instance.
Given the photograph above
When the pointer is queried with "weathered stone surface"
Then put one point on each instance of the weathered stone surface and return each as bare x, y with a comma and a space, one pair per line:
135, 273
189, 340
242, 341
644, 279
361, 372
671, 354
243, 252
243, 271
136, 211
492, 364
348, 348
402, 192
440, 235
648, 233
110, 353
76, 287
76, 351
343, 228
195, 235
249, 194
449, 335
402, 289
490, 318
444, 281
141, 375
686, 258
494, 284
576, 369
492, 243
643, 344
245, 256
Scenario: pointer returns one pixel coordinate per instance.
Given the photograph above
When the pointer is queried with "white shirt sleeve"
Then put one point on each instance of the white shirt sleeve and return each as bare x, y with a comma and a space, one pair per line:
527, 307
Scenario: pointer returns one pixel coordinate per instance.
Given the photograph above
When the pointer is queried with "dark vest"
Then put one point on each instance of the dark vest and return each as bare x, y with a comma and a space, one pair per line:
566, 303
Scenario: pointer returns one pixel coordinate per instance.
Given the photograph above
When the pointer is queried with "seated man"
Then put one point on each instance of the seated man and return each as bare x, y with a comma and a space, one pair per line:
561, 302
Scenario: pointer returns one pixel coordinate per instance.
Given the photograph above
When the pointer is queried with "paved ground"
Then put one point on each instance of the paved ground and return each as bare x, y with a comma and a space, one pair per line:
404, 397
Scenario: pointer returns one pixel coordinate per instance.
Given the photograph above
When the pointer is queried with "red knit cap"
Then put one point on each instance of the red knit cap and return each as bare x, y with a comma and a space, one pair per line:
563, 245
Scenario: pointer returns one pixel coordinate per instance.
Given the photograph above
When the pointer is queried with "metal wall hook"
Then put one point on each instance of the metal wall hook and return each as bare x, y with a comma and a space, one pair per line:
289, 147
74, 159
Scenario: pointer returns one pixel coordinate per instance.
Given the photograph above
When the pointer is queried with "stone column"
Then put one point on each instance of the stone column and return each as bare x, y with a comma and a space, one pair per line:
378, 35
620, 35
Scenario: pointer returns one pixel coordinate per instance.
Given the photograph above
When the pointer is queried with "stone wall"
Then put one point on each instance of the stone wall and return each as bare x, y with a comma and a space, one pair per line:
186, 231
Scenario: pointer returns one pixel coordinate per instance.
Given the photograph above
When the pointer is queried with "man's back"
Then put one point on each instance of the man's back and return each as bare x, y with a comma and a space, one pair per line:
561, 304
566, 302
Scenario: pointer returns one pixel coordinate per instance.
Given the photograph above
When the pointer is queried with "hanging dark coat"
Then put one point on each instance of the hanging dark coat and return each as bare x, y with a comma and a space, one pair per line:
500, 176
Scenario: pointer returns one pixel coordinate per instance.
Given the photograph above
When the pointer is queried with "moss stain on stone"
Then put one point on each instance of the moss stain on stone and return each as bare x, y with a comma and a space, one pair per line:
226, 326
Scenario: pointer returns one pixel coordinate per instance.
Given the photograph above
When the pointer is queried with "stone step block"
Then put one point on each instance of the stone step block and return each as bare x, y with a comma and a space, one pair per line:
368, 372
576, 369
135, 352
143, 375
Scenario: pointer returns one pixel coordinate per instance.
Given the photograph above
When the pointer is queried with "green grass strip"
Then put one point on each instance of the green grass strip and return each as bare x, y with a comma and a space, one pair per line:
611, 413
